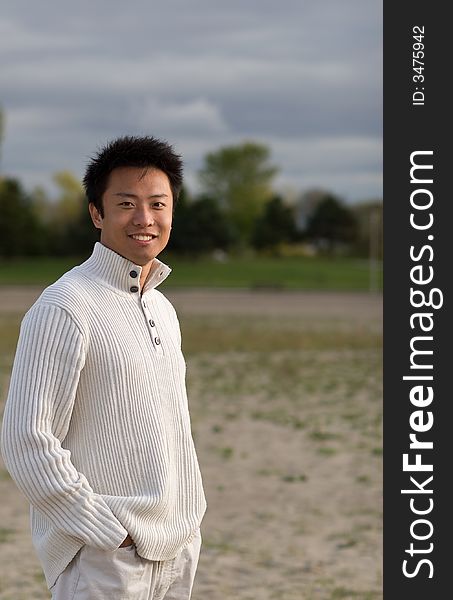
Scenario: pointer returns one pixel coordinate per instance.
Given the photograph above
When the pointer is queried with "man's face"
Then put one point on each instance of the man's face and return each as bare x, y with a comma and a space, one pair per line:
138, 207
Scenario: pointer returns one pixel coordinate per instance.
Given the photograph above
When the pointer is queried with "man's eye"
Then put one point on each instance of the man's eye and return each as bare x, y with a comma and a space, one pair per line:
126, 203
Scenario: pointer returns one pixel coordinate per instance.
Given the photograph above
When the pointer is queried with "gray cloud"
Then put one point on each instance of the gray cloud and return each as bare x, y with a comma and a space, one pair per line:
303, 76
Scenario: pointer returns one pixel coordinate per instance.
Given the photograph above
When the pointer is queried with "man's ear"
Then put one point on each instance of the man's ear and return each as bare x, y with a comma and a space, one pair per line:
95, 216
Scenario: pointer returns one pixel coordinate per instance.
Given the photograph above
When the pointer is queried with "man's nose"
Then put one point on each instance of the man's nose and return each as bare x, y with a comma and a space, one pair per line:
143, 217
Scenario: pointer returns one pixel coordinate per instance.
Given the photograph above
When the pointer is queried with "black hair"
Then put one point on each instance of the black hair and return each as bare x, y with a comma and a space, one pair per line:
131, 151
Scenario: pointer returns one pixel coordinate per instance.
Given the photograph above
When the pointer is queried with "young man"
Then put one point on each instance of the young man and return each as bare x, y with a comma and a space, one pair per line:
96, 430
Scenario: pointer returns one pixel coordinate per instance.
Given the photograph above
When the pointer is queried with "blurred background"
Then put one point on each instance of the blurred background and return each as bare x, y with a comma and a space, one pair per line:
276, 253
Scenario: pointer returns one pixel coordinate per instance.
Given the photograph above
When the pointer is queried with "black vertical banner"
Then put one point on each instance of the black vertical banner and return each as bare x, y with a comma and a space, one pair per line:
418, 357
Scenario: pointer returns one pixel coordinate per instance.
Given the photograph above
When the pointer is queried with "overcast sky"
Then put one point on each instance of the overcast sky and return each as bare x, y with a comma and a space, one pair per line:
302, 76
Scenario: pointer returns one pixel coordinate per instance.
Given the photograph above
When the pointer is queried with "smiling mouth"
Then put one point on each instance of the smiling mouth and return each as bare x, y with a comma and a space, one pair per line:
142, 237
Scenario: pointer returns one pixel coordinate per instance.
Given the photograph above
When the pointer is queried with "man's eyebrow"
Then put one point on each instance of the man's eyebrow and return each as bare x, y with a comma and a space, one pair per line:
129, 195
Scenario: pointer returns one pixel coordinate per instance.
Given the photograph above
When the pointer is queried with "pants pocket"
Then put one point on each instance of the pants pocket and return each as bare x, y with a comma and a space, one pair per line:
113, 575
65, 586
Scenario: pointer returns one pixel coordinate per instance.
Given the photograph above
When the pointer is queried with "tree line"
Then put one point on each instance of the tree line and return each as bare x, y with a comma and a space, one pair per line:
236, 209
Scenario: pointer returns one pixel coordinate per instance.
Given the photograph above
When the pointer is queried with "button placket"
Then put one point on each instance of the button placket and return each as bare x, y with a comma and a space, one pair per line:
133, 275
155, 338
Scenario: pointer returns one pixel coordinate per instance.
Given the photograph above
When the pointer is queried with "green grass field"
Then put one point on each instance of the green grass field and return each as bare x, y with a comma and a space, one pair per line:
280, 273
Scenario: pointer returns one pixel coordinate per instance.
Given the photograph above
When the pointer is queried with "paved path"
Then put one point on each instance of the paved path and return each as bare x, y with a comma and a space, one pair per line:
17, 299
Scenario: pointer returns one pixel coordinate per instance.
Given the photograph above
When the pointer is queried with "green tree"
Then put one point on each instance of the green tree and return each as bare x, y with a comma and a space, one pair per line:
70, 201
81, 234
331, 225
369, 218
240, 179
21, 233
275, 225
69, 222
199, 226
1, 131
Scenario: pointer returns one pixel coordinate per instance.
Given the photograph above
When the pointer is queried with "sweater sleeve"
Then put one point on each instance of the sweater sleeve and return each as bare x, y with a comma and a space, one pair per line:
49, 357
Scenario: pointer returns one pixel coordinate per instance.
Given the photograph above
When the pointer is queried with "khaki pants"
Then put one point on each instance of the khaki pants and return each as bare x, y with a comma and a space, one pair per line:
124, 575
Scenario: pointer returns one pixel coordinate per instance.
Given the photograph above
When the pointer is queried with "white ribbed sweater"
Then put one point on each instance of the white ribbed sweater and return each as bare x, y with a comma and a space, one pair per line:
96, 429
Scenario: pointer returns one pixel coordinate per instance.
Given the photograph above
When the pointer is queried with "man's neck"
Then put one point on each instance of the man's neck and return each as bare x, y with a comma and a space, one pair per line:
144, 274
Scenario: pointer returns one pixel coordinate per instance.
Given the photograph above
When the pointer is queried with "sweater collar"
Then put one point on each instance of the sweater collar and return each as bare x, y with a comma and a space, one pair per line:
111, 269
